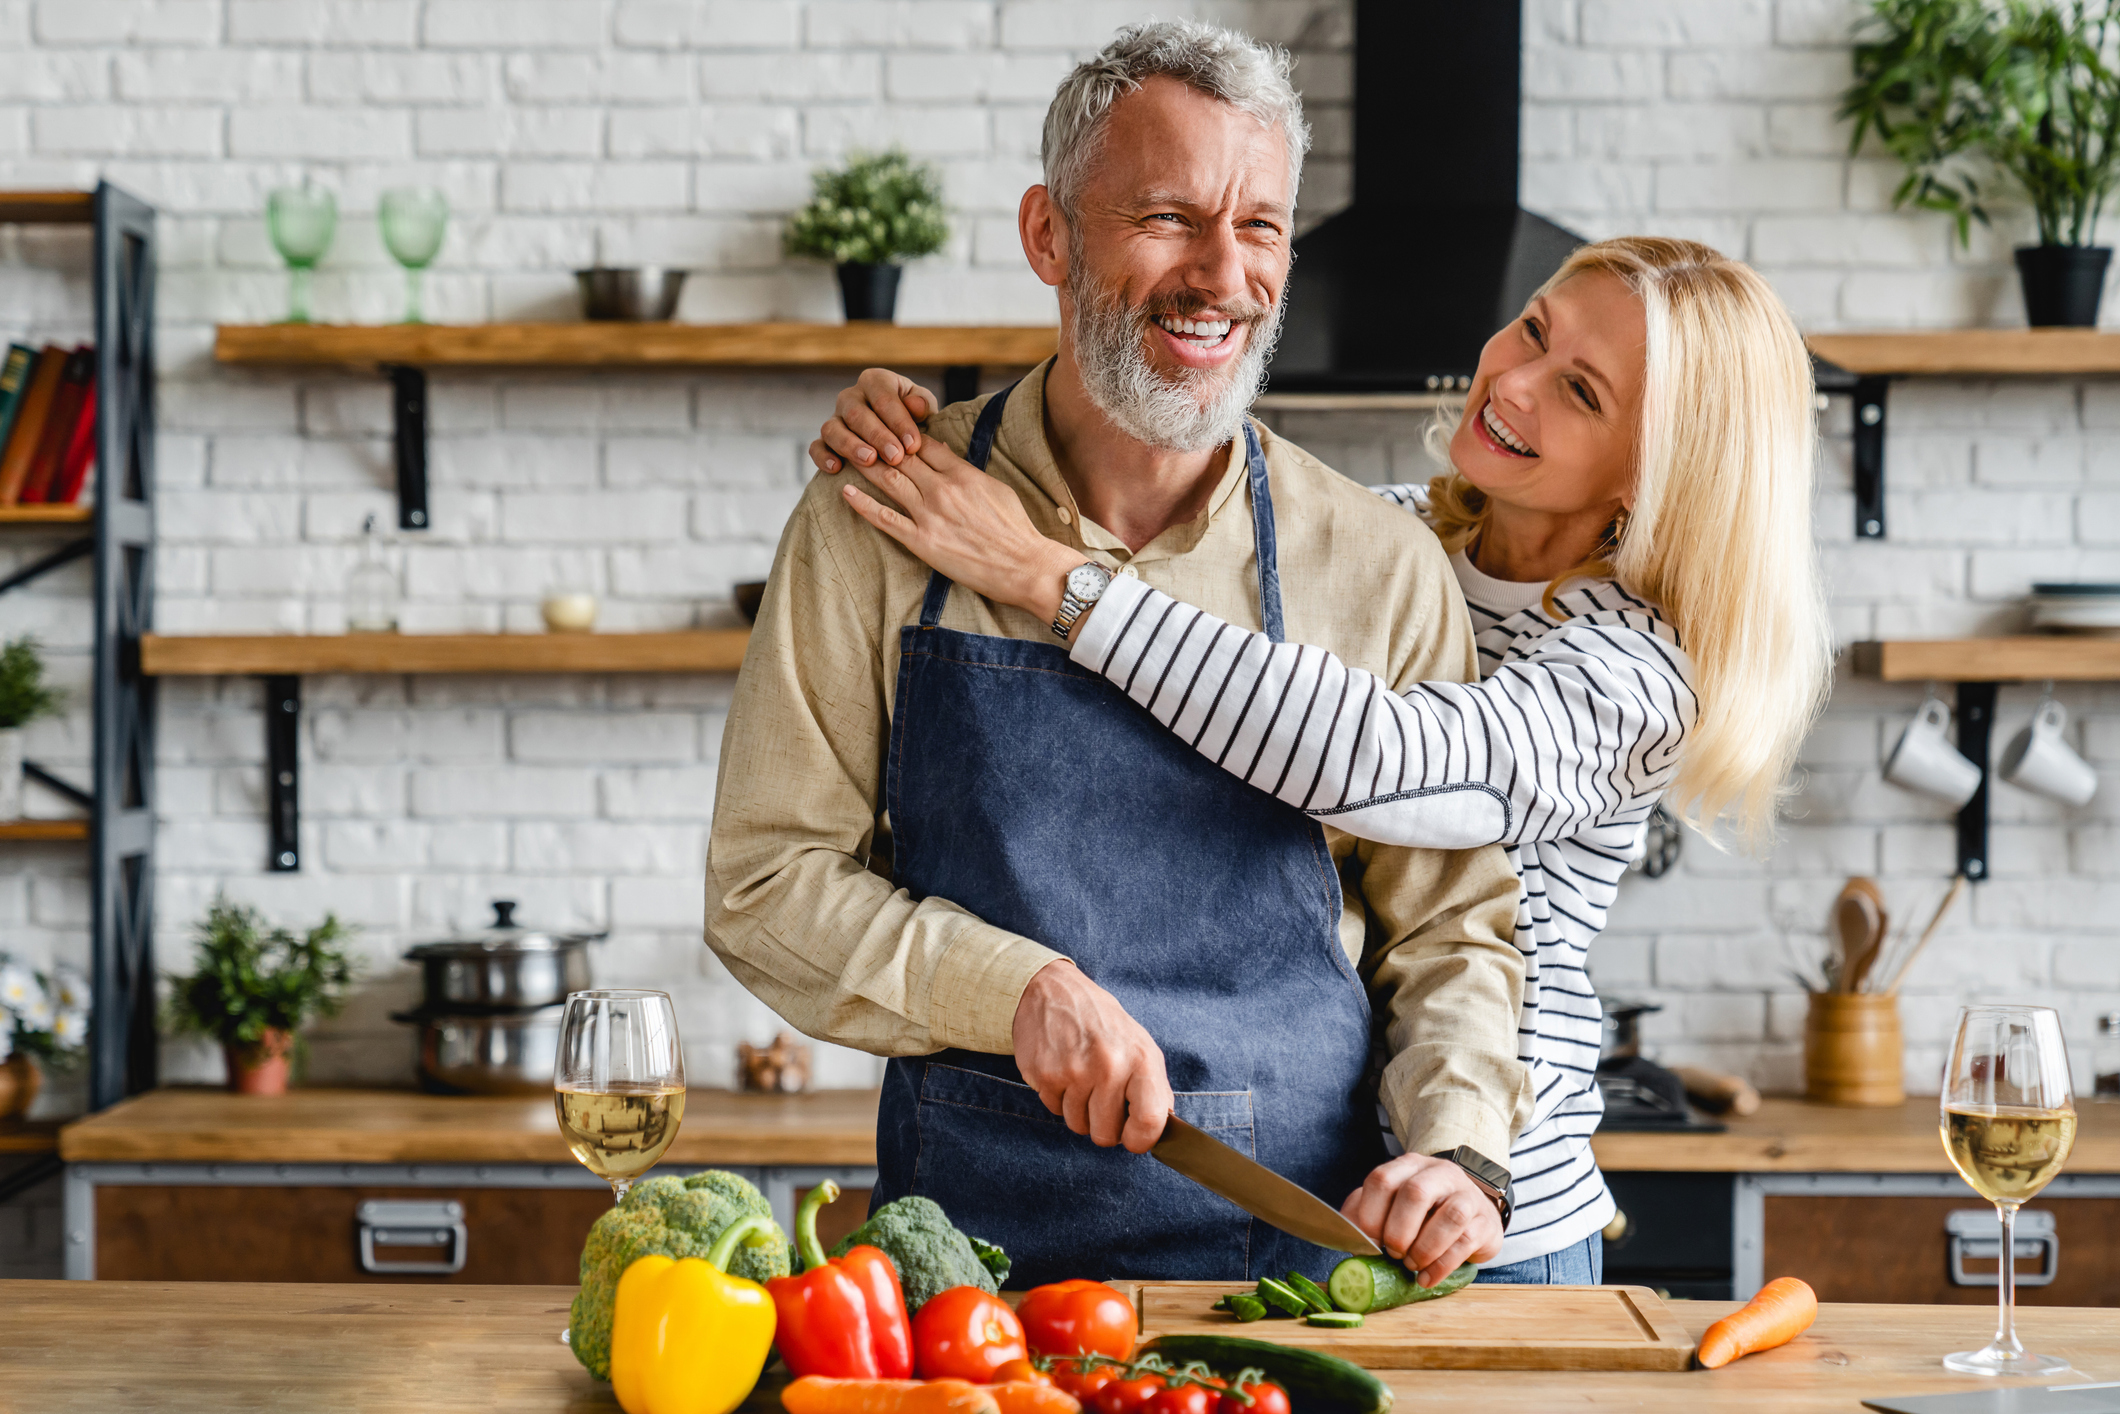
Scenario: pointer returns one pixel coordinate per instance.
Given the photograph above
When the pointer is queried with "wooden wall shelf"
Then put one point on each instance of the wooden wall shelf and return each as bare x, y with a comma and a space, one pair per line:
47, 515
56, 208
621, 345
43, 829
291, 655
1973, 352
2027, 658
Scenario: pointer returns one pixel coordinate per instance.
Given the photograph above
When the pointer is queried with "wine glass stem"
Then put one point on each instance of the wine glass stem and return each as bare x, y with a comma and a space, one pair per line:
2006, 1283
297, 294
620, 1185
413, 313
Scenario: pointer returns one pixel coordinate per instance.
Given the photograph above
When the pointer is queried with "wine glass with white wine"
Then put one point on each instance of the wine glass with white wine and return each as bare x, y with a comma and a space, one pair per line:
2009, 1121
620, 1082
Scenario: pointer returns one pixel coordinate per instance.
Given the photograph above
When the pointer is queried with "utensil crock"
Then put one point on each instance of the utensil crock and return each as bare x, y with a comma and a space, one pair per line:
1853, 1053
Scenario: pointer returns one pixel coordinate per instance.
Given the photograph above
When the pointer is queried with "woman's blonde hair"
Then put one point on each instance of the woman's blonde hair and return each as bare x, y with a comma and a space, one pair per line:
1719, 534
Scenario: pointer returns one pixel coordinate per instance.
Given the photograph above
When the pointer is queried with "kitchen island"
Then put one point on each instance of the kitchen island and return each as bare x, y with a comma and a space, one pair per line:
71, 1346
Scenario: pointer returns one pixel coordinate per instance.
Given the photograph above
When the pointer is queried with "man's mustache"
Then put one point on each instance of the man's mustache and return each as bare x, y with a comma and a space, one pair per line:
1187, 305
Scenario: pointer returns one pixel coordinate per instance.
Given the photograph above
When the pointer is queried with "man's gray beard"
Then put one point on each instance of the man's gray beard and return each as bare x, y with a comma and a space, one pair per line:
1146, 405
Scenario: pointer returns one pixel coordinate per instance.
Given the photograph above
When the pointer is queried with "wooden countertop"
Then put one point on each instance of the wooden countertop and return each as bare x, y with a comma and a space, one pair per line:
839, 1127
406, 1127
69, 1346
1792, 1136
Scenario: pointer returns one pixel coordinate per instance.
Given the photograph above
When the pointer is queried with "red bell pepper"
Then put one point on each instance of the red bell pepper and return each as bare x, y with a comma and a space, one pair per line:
841, 1317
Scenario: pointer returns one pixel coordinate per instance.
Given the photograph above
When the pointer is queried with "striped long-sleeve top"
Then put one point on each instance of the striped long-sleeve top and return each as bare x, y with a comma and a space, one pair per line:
1559, 752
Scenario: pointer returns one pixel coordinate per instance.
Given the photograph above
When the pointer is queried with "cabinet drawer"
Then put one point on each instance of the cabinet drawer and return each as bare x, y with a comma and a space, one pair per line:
1895, 1249
190, 1232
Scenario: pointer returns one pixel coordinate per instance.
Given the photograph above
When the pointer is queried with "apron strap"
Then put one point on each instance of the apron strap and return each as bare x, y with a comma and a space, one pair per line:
982, 446
1262, 533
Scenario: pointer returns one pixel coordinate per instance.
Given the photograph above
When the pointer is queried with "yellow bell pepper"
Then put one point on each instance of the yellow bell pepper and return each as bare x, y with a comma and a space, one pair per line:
686, 1337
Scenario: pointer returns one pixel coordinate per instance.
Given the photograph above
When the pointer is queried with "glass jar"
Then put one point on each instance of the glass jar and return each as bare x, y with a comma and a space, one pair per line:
2105, 1060
371, 588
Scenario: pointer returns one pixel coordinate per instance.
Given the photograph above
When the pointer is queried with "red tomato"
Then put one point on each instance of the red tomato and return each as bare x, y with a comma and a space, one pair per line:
1184, 1399
965, 1334
1021, 1371
1083, 1384
1127, 1396
1078, 1317
1265, 1399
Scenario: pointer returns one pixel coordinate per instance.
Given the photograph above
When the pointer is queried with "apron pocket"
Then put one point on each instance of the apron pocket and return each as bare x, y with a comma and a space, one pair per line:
1008, 1170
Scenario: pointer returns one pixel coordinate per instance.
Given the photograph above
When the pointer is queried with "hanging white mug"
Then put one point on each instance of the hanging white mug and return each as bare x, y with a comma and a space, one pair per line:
2038, 760
1925, 761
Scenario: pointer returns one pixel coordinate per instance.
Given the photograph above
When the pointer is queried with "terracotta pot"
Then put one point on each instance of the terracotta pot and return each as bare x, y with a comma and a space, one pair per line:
261, 1069
20, 1080
1852, 1050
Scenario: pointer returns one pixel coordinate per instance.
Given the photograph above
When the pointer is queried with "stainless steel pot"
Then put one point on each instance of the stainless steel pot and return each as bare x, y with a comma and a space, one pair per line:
503, 967
499, 1053
647, 292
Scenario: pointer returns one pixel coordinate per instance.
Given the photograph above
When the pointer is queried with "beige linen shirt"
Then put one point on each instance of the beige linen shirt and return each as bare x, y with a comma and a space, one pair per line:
800, 906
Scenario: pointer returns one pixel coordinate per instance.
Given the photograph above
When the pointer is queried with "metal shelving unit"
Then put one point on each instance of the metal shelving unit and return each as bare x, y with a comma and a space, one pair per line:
120, 798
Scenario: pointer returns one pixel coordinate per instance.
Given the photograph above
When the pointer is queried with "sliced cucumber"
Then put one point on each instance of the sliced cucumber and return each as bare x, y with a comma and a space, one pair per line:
1317, 1383
1309, 1290
1378, 1284
1336, 1320
1281, 1297
1246, 1307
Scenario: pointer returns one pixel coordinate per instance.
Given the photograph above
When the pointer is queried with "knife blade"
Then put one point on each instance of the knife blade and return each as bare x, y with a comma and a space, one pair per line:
1258, 1190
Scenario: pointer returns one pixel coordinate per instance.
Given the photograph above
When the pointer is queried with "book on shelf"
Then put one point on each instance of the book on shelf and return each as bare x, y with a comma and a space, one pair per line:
80, 454
28, 432
75, 380
15, 372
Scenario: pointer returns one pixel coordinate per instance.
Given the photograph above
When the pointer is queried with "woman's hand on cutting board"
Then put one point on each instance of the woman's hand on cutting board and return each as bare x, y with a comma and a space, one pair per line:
1428, 1213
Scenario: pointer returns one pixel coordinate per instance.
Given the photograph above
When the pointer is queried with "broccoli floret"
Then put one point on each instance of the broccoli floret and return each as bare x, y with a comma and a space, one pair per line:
928, 1252
667, 1216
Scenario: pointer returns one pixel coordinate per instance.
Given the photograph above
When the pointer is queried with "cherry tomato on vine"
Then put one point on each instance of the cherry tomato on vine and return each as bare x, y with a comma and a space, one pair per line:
1266, 1398
1184, 1399
1083, 1384
1127, 1396
1074, 1317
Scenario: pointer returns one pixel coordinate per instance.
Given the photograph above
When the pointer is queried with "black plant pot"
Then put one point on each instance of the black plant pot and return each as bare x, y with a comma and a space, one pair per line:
2062, 284
869, 291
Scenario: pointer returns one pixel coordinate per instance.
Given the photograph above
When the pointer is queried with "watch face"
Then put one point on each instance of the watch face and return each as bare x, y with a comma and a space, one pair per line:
1087, 582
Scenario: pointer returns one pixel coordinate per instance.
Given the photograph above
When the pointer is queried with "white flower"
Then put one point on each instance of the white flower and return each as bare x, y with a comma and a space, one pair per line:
69, 989
18, 985
70, 1028
36, 1014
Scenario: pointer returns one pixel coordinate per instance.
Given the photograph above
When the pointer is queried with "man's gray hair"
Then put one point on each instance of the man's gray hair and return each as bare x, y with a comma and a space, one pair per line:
1218, 62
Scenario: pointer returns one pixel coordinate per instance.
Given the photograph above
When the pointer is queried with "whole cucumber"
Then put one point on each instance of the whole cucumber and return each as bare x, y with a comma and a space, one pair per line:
1363, 1284
1317, 1383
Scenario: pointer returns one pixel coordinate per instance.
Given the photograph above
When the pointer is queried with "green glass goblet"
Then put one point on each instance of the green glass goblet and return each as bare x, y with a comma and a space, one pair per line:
413, 220
301, 221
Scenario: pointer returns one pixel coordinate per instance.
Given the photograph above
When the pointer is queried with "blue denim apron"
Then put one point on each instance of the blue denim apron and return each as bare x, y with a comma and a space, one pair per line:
1033, 793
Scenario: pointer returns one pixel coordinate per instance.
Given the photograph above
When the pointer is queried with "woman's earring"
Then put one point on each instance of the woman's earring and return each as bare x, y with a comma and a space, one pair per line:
1619, 525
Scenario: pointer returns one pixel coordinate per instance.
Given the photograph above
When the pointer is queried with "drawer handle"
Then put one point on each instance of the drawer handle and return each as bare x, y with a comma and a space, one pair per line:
1976, 1235
391, 1222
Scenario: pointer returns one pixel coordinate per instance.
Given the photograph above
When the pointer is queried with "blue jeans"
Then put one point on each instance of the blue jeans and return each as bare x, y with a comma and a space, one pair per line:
1580, 1265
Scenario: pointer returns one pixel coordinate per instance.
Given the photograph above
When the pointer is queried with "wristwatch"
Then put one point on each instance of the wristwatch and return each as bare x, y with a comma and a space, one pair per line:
1085, 585
1491, 1178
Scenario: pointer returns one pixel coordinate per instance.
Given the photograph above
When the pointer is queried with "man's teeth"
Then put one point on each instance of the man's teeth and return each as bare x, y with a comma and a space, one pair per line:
1211, 331
1502, 434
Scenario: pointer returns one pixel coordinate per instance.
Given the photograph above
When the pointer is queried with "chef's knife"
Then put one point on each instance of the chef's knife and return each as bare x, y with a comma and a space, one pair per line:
1258, 1190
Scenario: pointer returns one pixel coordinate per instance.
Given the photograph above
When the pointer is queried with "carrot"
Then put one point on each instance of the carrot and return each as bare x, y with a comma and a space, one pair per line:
1783, 1310
1033, 1397
814, 1394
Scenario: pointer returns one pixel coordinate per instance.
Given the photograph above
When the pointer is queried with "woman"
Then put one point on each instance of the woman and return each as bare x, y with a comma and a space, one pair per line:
1628, 513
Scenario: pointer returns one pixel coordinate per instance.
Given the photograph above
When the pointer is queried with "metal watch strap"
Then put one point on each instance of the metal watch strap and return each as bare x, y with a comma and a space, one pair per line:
1072, 605
1492, 1178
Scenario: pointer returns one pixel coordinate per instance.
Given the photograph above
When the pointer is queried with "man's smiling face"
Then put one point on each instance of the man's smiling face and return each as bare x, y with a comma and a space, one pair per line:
1177, 258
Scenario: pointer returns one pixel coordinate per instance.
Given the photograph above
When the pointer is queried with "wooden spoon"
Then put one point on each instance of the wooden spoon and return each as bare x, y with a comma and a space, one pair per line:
1859, 920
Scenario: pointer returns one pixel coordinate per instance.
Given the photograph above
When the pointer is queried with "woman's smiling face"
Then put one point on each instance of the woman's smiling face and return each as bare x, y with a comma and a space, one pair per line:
1556, 405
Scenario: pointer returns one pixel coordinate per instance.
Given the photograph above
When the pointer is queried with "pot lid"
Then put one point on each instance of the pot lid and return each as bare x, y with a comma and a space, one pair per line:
505, 936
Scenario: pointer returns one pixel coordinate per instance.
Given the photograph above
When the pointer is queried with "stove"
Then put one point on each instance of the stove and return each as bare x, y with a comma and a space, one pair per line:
1643, 1097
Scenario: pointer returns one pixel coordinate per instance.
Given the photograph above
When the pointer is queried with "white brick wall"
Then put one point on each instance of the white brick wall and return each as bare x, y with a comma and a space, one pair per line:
682, 131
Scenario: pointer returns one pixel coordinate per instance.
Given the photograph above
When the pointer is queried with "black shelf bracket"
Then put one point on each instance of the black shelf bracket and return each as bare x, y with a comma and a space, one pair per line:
65, 555
58, 785
408, 412
283, 782
1869, 458
1976, 725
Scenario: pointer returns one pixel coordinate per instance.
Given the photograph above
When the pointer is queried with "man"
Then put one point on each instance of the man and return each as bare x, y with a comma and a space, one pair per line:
936, 839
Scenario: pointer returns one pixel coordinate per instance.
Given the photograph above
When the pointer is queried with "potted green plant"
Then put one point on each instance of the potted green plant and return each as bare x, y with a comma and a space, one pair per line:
254, 985
43, 1017
2025, 90
24, 697
868, 218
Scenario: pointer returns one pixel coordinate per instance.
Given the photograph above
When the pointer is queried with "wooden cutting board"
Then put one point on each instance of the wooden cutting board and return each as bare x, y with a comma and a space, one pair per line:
1479, 1328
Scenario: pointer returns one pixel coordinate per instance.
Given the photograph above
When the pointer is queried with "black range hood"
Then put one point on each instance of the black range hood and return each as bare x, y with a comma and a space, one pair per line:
1399, 292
